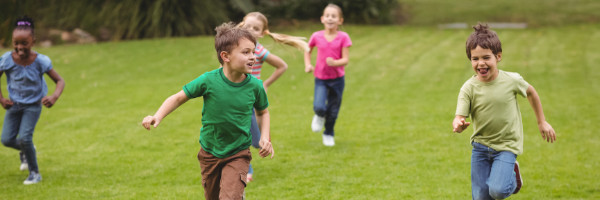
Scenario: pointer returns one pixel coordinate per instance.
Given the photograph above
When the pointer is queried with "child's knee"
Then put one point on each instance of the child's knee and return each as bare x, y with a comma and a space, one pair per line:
8, 142
499, 192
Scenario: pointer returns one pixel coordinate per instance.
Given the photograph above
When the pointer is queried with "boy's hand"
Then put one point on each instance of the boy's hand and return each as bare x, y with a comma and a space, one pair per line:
460, 125
149, 121
309, 68
547, 132
266, 148
6, 103
49, 101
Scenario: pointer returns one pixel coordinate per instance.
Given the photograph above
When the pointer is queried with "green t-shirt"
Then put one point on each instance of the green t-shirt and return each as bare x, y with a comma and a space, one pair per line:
227, 111
494, 110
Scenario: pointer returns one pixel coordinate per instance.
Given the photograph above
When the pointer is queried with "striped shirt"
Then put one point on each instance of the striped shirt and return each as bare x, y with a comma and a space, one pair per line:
261, 55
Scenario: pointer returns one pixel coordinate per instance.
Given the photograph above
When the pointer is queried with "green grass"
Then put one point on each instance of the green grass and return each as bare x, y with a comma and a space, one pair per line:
394, 138
534, 12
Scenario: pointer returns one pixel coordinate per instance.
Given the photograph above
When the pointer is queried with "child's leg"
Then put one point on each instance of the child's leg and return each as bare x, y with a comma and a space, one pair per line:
334, 101
502, 181
481, 165
233, 181
255, 131
211, 174
320, 98
10, 129
31, 115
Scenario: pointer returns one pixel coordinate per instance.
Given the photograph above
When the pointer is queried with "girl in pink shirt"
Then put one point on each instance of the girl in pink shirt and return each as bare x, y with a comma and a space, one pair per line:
332, 55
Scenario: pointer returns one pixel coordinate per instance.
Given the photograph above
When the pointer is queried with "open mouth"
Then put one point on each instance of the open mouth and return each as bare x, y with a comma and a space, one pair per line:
483, 71
250, 64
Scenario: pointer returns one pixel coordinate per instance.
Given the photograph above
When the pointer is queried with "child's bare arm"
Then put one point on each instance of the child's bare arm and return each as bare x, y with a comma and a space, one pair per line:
342, 61
167, 107
265, 134
308, 67
280, 67
6, 103
545, 128
49, 101
459, 123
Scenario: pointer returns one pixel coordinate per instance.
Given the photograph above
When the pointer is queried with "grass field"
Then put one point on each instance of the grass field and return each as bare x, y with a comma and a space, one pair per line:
393, 138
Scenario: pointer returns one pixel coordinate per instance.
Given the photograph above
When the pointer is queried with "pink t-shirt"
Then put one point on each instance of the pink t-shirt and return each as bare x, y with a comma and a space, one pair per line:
327, 49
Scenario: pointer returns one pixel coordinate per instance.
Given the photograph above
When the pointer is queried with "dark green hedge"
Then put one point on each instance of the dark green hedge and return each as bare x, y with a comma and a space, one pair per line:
134, 19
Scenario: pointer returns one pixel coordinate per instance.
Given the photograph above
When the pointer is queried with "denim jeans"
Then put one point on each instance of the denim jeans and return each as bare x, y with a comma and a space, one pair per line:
255, 131
328, 99
492, 173
20, 120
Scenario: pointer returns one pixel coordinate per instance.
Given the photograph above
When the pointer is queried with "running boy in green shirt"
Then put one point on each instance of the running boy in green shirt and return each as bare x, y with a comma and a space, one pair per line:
229, 95
490, 99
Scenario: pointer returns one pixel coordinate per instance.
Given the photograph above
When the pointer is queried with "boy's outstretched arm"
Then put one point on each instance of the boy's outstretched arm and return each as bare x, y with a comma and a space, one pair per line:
265, 134
167, 107
459, 124
545, 128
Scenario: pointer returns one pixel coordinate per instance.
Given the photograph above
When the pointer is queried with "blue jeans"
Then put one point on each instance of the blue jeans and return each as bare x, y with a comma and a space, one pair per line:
492, 173
20, 120
255, 131
328, 99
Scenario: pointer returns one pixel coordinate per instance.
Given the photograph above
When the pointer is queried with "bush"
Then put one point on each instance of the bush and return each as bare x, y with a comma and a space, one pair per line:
135, 19
356, 11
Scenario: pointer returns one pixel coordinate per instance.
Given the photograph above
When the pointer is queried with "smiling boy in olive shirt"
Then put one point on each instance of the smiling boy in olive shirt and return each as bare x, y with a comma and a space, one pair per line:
490, 99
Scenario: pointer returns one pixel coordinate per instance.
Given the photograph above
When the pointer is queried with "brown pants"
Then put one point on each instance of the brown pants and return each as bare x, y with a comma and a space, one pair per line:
224, 178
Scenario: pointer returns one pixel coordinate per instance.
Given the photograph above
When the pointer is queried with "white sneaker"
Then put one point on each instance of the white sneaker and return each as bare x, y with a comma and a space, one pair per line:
328, 140
317, 123
34, 177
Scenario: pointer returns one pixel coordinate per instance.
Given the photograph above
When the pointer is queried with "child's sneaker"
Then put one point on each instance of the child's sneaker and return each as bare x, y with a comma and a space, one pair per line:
34, 177
24, 165
317, 123
328, 140
248, 178
519, 179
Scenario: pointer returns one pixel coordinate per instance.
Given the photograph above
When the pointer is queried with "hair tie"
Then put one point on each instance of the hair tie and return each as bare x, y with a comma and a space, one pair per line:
23, 23
267, 32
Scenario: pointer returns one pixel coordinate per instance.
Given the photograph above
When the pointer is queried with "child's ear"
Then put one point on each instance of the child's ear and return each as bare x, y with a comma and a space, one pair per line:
322, 19
499, 56
341, 21
224, 56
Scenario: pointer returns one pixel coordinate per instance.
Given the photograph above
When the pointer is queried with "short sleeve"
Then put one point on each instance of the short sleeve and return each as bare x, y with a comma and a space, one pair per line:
463, 107
262, 102
3, 62
346, 42
262, 53
522, 86
46, 65
312, 41
196, 88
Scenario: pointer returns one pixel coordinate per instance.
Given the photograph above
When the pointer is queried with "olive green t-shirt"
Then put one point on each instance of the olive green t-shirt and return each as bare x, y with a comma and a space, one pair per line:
494, 110
227, 111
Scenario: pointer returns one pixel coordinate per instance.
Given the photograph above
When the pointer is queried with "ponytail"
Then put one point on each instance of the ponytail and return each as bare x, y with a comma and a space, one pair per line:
296, 42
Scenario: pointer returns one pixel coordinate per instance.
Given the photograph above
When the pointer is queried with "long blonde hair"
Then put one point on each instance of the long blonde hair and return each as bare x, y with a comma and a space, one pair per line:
297, 42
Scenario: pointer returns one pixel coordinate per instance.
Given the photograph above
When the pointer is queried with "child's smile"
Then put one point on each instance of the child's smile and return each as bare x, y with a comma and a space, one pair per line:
484, 63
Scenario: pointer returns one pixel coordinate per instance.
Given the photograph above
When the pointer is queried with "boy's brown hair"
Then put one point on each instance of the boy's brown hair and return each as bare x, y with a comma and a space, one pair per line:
228, 37
485, 38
